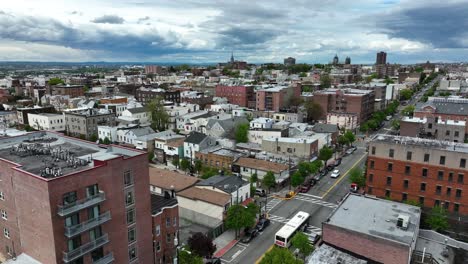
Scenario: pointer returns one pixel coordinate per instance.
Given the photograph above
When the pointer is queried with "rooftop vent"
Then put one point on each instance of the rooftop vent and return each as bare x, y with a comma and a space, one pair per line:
403, 221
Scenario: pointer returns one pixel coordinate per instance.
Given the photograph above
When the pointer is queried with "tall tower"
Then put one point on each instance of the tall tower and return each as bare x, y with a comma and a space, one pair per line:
381, 58
335, 60
347, 60
232, 57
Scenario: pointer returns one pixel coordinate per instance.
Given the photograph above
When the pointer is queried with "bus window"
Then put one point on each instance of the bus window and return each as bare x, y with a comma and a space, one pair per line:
280, 239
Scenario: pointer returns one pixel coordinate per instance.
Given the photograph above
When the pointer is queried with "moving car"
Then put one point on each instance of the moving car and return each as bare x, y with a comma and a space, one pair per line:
262, 224
249, 235
335, 174
350, 150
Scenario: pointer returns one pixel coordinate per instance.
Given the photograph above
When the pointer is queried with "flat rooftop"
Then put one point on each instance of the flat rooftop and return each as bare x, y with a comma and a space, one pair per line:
376, 217
421, 142
52, 155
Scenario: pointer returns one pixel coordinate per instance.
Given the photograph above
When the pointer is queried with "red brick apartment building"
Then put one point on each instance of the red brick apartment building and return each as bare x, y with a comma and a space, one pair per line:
65, 200
354, 101
240, 95
427, 171
165, 213
276, 98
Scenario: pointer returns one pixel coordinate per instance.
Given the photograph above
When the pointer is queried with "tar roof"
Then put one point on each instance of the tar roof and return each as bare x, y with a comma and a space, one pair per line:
195, 138
376, 217
421, 142
158, 202
226, 183
167, 179
325, 128
448, 106
137, 110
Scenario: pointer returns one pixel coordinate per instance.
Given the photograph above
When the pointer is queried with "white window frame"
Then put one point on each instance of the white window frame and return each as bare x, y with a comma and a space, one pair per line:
6, 233
158, 230
4, 214
2, 196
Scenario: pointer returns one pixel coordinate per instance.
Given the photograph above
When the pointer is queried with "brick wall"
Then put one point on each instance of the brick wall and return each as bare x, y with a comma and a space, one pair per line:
167, 249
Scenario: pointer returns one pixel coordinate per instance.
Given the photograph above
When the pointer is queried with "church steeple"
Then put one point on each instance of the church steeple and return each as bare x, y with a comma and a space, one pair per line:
232, 56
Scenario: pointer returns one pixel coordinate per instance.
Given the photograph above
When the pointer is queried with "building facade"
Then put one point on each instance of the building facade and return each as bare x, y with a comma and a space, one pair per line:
146, 95
70, 90
165, 212
381, 58
85, 123
276, 98
242, 95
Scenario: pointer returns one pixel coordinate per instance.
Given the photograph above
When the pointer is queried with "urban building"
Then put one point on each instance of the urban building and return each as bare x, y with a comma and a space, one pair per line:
385, 70
196, 142
376, 230
163, 146
276, 98
47, 121
381, 58
23, 113
242, 95
298, 147
430, 172
246, 167
71, 90
165, 180
346, 101
289, 61
141, 113
165, 216
218, 157
336, 60
146, 95
77, 203
84, 123
114, 100
118, 109
347, 60
153, 69
430, 127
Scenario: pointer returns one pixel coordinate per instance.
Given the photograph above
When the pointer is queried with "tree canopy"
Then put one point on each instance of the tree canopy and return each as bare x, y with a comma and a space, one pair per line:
301, 242
269, 180
201, 245
55, 81
242, 132
437, 219
239, 216
408, 110
159, 116
297, 179
325, 81
186, 257
314, 110
279, 255
325, 153
184, 164
356, 175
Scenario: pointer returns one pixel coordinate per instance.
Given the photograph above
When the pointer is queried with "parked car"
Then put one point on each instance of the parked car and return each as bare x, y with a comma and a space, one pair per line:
337, 162
335, 174
260, 192
350, 150
324, 172
212, 261
311, 182
249, 235
304, 188
262, 224
314, 238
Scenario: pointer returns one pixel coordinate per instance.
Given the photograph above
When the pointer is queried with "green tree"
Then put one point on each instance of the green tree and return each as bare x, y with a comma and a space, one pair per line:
208, 172
93, 138
437, 219
325, 154
408, 110
175, 162
325, 81
373, 124
396, 124
364, 127
297, 179
55, 81
279, 255
106, 141
254, 178
269, 180
422, 77
150, 156
412, 202
406, 94
314, 110
158, 115
184, 164
301, 242
342, 140
356, 175
186, 257
302, 74
198, 166
201, 244
241, 133
238, 216
350, 137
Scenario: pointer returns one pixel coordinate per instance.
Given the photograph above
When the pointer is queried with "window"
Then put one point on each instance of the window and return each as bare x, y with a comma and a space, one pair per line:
449, 191
131, 235
168, 221
407, 169
460, 178
423, 187
6, 232
456, 207
373, 150
450, 177
405, 184
4, 214
456, 134
387, 193
129, 198
440, 175
9, 250
93, 212
174, 222
436, 202
391, 153
458, 193
2, 196
421, 200
72, 220
442, 160
132, 253
404, 197
438, 189
462, 163
371, 177
168, 238
446, 205
447, 132
158, 230
426, 157
74, 243
69, 198
130, 216
128, 178
95, 233
390, 166
424, 172
389, 180
369, 190
409, 155
92, 190
371, 165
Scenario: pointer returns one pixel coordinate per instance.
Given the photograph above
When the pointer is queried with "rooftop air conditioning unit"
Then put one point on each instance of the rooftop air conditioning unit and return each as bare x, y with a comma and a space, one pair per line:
403, 221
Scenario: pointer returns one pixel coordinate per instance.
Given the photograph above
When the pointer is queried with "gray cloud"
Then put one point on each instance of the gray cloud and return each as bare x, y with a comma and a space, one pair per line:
108, 19
143, 19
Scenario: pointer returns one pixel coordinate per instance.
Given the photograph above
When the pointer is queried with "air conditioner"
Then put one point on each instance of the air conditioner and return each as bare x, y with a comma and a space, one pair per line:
403, 221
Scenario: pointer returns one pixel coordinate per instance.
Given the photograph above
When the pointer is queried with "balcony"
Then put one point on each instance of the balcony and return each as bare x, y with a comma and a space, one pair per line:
64, 210
86, 248
71, 231
109, 258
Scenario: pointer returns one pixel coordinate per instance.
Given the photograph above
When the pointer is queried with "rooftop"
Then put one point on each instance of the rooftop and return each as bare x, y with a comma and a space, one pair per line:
225, 183
263, 165
290, 140
159, 202
219, 150
411, 119
326, 254
206, 195
421, 142
52, 155
448, 105
376, 217
195, 137
166, 179
137, 110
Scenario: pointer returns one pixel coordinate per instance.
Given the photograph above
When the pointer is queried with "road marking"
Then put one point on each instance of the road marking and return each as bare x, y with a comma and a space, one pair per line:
313, 196
344, 175
316, 201
260, 258
272, 204
235, 255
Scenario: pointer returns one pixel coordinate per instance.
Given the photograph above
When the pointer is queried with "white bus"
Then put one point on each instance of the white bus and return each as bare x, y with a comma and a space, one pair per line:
284, 235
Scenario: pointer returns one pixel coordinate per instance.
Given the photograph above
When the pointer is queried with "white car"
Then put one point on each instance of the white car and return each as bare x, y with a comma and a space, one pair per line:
335, 174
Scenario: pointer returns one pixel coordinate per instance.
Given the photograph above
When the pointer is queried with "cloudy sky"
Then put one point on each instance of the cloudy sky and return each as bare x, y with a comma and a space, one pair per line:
202, 31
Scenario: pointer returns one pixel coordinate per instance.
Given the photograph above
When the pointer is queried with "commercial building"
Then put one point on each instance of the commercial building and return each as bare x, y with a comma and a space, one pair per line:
276, 98
249, 166
242, 95
70, 90
346, 101
430, 172
289, 61
299, 147
47, 121
85, 122
65, 200
381, 58
376, 230
218, 157
22, 113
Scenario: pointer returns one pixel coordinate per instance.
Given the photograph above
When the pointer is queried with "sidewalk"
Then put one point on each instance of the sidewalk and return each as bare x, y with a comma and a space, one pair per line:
224, 243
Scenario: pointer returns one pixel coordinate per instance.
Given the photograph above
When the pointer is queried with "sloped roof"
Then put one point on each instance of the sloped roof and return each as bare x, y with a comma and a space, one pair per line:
195, 138
206, 195
137, 110
165, 179
223, 182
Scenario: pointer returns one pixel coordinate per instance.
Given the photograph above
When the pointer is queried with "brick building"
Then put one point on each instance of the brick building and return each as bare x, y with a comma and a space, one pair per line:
426, 171
239, 95
165, 212
276, 98
65, 200
218, 157
70, 90
349, 101
146, 95
85, 122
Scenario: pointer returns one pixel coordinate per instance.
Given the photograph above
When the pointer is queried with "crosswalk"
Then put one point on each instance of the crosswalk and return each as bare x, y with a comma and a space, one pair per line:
272, 202
278, 219
311, 230
314, 199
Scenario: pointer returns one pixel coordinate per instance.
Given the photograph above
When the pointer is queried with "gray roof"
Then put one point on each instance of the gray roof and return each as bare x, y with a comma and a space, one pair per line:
226, 124
447, 106
376, 217
141, 131
137, 110
325, 128
224, 182
195, 138
326, 254
435, 244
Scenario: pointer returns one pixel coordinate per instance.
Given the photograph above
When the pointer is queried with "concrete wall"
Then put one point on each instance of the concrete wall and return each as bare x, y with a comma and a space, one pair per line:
200, 212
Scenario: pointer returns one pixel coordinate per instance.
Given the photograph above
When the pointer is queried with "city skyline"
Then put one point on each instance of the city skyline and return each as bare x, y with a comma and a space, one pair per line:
205, 32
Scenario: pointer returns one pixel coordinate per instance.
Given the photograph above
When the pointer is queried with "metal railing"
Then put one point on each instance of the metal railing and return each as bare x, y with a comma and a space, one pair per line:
109, 258
86, 248
78, 205
71, 231
418, 258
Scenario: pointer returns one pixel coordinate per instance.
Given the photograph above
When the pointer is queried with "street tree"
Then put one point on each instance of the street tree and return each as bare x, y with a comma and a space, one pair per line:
437, 219
364, 127
159, 116
325, 154
356, 175
297, 179
186, 257
198, 166
254, 178
314, 110
238, 216
201, 245
406, 94
175, 162
279, 255
184, 164
395, 124
269, 180
350, 137
342, 140
408, 110
301, 242
241, 133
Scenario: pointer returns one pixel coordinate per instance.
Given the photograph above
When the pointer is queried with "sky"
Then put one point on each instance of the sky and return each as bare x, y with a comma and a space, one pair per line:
257, 31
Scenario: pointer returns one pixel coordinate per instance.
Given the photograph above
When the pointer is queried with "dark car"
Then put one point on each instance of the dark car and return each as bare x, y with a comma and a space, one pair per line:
249, 235
212, 261
337, 161
312, 182
304, 188
262, 224
324, 172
